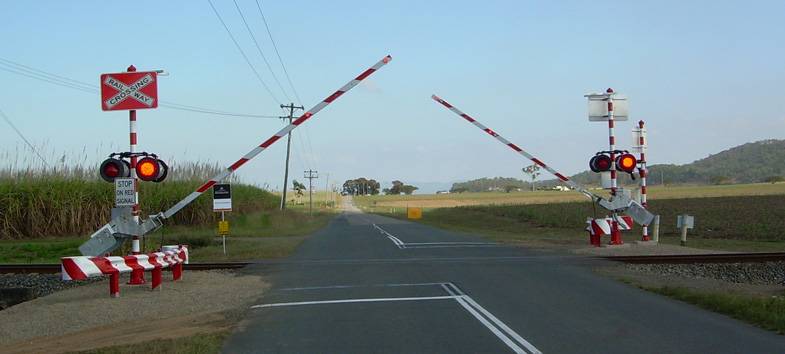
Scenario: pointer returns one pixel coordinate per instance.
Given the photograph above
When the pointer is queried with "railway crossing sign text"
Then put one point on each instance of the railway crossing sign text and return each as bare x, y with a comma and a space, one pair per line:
125, 193
222, 197
129, 90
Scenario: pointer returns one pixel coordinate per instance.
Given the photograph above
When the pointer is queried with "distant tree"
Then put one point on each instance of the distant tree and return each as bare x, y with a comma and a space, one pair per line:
386, 191
298, 187
533, 171
774, 179
458, 189
396, 187
510, 188
408, 190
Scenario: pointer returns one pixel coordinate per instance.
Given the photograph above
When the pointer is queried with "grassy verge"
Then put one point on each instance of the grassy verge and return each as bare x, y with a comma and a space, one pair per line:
259, 235
655, 193
722, 223
208, 343
768, 312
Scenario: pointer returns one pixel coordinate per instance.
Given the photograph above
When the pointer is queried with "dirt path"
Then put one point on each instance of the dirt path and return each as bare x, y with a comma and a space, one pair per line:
87, 318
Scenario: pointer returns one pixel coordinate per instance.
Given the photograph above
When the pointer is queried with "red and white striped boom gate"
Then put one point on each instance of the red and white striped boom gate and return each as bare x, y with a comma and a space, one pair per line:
614, 204
281, 133
578, 187
105, 239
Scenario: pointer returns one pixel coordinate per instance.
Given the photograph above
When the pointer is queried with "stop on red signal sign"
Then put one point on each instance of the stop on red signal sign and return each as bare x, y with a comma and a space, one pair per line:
129, 90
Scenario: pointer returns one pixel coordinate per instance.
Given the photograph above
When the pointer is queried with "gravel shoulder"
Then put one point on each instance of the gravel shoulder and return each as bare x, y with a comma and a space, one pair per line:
85, 317
634, 249
747, 279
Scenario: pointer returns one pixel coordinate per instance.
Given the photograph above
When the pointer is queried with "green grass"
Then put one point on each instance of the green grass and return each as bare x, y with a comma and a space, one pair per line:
765, 312
38, 251
257, 235
51, 206
253, 236
542, 197
754, 223
207, 343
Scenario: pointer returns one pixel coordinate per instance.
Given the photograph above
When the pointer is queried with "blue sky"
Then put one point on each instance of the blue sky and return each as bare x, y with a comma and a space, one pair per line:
704, 75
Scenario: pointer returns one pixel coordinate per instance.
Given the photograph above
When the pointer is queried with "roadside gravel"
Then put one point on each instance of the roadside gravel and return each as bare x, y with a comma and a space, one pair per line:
42, 284
85, 317
768, 273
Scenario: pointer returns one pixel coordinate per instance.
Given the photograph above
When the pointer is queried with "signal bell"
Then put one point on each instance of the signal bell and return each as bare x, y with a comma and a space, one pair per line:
113, 168
626, 163
151, 169
600, 163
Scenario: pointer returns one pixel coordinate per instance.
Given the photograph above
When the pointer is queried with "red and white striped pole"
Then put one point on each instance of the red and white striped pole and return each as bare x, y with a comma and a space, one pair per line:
137, 276
520, 151
281, 133
612, 140
642, 171
615, 232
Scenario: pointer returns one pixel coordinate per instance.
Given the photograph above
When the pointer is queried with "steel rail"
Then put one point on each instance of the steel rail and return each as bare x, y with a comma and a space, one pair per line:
702, 258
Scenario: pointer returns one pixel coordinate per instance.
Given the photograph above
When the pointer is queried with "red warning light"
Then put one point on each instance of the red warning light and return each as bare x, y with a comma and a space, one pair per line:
626, 163
600, 163
151, 169
113, 168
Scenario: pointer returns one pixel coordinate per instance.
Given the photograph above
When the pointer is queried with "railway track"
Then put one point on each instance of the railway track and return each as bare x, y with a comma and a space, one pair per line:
702, 258
50, 268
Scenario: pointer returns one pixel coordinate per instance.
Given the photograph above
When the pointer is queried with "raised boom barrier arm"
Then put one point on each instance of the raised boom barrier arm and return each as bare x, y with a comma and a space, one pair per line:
615, 203
578, 187
104, 240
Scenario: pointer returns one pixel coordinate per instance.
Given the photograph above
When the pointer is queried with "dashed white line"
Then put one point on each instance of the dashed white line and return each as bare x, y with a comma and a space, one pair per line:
447, 244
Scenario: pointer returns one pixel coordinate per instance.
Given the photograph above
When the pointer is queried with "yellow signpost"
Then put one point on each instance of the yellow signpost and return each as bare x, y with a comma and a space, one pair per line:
223, 228
414, 213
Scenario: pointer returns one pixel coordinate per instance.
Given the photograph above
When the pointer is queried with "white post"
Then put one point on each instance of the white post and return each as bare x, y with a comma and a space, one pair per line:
656, 230
223, 218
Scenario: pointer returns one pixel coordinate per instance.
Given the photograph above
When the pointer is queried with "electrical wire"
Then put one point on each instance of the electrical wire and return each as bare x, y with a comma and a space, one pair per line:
296, 95
256, 73
259, 48
8, 120
38, 74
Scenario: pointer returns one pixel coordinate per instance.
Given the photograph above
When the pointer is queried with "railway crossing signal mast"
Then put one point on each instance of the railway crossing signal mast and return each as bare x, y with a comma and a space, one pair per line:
617, 203
113, 234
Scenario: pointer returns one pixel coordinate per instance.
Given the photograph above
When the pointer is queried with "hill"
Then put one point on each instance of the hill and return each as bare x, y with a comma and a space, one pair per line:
749, 163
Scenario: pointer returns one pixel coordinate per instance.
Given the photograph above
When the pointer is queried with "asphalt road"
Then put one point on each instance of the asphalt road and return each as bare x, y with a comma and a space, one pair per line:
370, 284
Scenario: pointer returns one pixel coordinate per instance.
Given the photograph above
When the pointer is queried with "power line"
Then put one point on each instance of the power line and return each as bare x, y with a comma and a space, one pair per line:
243, 53
259, 48
38, 74
7, 120
259, 6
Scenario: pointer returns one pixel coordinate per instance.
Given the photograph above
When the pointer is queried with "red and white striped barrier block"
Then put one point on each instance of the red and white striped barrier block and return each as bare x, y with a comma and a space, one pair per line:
80, 268
604, 226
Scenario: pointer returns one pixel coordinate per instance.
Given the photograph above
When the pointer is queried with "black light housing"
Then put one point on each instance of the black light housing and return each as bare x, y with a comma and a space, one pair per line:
151, 169
600, 163
113, 168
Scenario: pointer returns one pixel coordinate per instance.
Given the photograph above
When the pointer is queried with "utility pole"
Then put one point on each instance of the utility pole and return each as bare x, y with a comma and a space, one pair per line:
327, 191
310, 175
291, 107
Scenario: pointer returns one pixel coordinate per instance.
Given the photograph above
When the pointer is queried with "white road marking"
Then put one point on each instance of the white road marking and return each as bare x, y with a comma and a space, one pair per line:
359, 286
532, 349
344, 301
506, 334
447, 244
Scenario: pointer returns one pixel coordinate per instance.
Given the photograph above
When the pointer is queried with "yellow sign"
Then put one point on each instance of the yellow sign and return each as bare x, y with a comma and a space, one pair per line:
223, 228
414, 213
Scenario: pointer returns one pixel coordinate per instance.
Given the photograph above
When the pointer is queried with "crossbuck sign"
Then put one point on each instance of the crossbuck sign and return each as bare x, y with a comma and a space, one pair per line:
129, 90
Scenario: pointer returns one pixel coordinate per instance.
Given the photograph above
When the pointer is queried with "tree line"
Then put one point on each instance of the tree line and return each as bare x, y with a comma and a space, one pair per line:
365, 186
